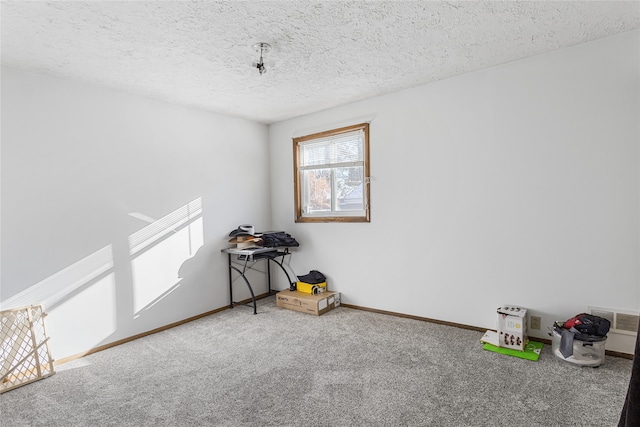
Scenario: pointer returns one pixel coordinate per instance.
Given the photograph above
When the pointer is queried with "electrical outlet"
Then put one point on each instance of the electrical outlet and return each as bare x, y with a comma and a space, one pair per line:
535, 322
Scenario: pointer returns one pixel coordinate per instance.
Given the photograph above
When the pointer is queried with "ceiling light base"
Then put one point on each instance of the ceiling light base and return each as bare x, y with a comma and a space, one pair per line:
262, 47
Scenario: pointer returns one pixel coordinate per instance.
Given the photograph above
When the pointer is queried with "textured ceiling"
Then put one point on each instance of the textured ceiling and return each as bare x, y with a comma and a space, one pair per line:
324, 53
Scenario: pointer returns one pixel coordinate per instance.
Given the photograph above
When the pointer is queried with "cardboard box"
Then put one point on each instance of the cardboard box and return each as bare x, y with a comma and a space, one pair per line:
308, 303
512, 327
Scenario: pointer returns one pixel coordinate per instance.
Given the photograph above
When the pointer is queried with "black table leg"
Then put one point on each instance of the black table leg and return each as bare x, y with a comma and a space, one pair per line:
230, 285
253, 297
269, 276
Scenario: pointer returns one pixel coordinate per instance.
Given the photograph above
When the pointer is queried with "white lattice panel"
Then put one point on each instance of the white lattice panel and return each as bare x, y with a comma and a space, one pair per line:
24, 353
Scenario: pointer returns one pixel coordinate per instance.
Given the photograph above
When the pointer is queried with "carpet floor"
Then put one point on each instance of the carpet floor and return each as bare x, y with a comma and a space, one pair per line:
345, 368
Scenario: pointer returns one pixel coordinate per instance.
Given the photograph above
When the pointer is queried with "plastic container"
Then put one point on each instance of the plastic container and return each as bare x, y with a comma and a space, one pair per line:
588, 350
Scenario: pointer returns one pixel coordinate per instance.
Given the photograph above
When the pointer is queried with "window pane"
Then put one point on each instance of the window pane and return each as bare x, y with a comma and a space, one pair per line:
315, 154
316, 188
349, 191
331, 175
349, 150
347, 147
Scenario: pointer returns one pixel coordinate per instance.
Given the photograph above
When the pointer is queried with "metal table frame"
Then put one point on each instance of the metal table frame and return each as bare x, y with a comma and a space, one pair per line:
246, 258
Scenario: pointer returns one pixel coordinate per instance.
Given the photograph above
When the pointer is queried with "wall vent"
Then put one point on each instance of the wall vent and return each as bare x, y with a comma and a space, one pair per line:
622, 321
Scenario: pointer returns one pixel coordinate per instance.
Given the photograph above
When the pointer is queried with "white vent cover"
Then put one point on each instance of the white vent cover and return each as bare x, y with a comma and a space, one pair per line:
622, 321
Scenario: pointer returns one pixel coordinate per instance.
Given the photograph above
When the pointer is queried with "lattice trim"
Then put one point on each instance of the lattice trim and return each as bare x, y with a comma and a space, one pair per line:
24, 352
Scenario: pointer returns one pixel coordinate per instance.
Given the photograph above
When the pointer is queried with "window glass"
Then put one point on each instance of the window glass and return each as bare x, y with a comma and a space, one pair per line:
331, 171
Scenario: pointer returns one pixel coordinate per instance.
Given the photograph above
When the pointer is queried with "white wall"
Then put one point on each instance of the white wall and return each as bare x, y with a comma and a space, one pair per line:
76, 161
518, 184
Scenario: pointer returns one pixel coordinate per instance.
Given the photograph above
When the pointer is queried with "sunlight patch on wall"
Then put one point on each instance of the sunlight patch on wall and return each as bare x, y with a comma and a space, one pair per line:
159, 249
59, 286
87, 318
79, 301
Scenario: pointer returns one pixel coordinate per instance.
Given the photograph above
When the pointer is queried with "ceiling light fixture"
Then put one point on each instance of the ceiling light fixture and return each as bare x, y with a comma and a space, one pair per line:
262, 48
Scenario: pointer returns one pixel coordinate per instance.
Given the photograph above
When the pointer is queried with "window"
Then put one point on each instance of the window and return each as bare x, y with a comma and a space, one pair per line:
332, 175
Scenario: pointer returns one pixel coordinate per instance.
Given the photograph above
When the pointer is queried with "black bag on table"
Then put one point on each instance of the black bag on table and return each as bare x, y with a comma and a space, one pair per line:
278, 239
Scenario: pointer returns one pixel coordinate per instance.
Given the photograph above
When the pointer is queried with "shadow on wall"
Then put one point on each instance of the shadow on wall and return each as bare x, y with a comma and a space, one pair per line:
102, 297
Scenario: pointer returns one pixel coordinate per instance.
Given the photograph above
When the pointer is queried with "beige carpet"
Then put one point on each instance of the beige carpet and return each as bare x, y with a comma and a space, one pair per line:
345, 368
